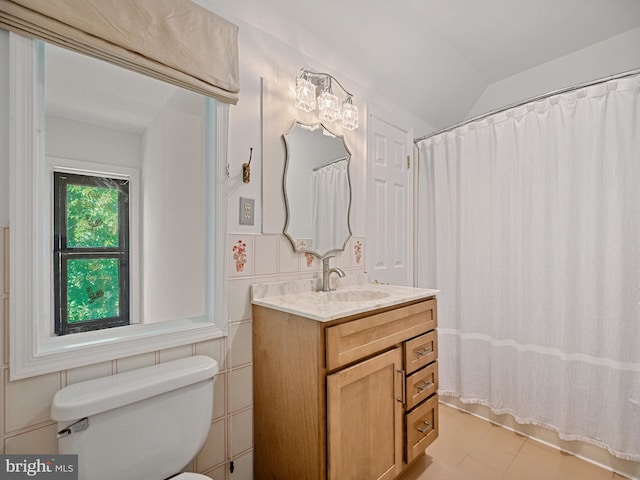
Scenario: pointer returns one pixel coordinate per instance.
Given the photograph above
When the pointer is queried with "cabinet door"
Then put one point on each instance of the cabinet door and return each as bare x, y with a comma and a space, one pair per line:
365, 419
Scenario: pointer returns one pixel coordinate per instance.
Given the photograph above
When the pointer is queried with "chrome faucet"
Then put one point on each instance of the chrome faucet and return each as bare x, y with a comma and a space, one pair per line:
326, 273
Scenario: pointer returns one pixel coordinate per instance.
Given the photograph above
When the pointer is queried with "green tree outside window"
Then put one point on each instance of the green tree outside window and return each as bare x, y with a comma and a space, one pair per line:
91, 252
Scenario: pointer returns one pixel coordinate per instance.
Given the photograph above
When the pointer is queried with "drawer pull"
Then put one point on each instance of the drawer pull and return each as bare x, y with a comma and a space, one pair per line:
424, 351
425, 428
426, 385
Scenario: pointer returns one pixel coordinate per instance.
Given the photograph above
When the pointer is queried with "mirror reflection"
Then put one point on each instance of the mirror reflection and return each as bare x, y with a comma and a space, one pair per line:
103, 118
317, 189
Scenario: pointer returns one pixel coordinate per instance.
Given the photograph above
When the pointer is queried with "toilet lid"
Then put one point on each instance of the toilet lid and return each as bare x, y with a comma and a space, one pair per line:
190, 476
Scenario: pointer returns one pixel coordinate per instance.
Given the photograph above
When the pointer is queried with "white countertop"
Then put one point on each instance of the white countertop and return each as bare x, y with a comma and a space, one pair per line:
353, 294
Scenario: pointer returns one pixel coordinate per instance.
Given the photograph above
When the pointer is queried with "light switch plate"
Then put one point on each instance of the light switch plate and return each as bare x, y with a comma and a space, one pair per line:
247, 206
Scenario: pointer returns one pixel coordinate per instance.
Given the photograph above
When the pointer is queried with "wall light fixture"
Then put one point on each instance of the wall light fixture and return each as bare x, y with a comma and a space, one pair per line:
323, 91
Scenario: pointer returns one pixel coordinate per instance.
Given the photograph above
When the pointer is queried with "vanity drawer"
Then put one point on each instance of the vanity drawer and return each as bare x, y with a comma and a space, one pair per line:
421, 385
421, 428
351, 341
420, 351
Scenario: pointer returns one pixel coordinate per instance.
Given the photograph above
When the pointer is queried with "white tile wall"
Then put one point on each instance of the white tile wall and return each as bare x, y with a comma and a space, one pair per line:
25, 425
175, 353
241, 432
288, 260
27, 402
240, 344
241, 388
89, 372
266, 262
215, 349
135, 362
243, 467
219, 396
36, 441
240, 299
213, 452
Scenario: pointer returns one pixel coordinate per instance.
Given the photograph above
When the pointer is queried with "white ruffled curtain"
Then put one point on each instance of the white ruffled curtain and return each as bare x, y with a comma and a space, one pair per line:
330, 206
530, 226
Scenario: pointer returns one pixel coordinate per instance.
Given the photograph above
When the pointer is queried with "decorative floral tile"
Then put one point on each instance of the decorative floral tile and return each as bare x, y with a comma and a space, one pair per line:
309, 262
240, 255
357, 250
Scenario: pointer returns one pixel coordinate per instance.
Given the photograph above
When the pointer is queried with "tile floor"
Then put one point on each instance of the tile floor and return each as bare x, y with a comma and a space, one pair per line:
469, 448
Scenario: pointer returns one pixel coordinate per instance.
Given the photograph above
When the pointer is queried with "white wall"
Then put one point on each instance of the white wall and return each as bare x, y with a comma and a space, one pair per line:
173, 249
614, 55
90, 143
264, 57
4, 129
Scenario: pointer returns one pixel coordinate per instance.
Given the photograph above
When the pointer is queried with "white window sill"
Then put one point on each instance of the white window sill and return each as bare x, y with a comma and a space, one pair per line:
71, 351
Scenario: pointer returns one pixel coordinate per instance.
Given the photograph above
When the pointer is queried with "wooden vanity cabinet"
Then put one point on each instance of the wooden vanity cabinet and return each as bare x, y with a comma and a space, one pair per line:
353, 398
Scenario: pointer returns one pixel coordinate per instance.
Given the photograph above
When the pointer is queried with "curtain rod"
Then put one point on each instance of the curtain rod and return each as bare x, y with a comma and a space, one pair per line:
330, 163
629, 73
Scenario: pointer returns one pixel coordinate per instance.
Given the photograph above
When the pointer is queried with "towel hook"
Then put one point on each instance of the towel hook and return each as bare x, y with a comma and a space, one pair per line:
246, 168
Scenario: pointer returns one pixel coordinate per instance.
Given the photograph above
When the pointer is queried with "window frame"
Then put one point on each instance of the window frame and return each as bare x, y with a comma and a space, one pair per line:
62, 252
33, 350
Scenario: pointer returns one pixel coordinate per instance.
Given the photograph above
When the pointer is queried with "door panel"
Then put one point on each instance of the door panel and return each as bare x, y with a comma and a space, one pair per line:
389, 229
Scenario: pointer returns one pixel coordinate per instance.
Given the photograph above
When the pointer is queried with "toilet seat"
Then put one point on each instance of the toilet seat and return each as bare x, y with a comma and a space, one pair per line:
190, 476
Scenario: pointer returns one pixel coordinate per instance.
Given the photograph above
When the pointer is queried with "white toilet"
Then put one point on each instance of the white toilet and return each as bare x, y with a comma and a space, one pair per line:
145, 424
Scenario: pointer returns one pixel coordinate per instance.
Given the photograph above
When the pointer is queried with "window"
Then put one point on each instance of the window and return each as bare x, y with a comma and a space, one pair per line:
170, 152
91, 252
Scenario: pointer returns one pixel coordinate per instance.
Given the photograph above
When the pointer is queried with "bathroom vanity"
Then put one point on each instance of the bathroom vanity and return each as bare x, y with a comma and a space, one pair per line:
345, 382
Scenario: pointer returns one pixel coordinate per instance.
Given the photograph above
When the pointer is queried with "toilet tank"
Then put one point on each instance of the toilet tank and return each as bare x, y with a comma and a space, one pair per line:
142, 424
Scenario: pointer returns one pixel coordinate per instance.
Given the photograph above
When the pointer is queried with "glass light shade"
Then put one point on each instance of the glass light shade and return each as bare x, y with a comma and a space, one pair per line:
349, 116
305, 94
328, 106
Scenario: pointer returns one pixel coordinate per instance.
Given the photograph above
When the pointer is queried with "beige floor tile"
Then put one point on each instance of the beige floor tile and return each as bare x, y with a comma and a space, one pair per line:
446, 451
470, 448
474, 425
426, 468
505, 440
522, 469
452, 420
574, 468
487, 453
538, 454
473, 469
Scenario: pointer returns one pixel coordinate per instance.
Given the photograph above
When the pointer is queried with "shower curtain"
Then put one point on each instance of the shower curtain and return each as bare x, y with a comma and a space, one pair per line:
330, 193
530, 227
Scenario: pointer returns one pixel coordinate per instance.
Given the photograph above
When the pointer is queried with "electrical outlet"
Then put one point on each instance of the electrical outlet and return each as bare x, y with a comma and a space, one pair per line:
247, 206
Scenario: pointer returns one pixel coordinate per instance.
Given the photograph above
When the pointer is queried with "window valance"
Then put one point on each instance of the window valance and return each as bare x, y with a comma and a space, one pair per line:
175, 41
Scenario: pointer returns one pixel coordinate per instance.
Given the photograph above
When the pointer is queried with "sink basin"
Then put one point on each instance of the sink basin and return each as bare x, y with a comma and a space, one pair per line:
354, 295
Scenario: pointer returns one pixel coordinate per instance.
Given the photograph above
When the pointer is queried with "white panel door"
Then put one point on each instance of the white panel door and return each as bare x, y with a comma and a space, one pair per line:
389, 207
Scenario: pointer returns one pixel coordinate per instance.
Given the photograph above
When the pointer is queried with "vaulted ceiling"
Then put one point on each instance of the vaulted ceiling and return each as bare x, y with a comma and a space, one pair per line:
436, 57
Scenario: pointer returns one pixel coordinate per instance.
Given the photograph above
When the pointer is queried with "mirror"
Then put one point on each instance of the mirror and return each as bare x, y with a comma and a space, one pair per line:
102, 117
317, 189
